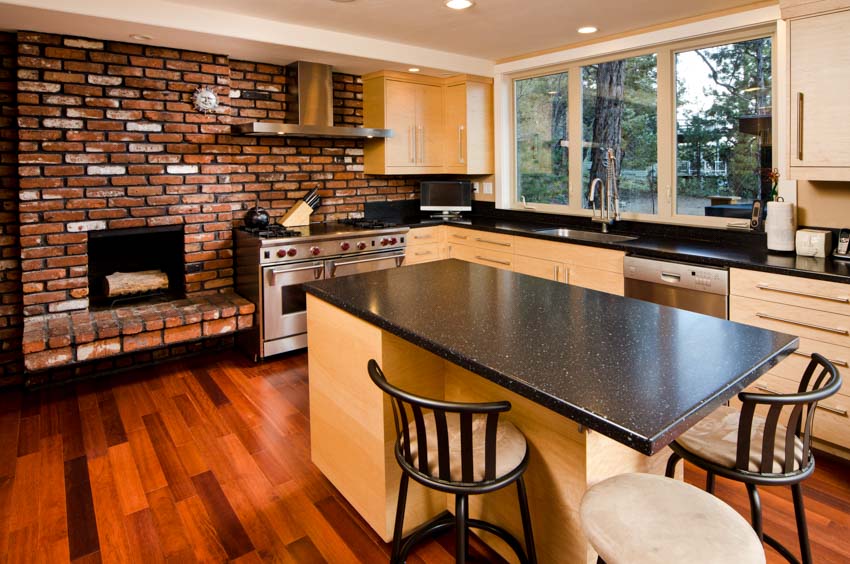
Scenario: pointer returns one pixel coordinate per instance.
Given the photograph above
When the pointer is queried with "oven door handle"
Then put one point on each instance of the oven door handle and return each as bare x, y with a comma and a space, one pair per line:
319, 267
398, 260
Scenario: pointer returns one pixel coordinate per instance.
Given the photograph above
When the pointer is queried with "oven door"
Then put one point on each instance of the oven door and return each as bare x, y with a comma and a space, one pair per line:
347, 266
284, 302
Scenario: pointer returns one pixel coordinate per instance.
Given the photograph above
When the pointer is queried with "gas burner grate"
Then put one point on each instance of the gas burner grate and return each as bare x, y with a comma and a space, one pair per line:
273, 230
367, 223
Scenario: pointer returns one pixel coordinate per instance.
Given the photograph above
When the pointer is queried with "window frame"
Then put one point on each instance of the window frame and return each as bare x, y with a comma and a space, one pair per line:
665, 54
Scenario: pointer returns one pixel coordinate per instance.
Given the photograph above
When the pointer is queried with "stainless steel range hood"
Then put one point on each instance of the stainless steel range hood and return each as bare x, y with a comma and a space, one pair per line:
309, 108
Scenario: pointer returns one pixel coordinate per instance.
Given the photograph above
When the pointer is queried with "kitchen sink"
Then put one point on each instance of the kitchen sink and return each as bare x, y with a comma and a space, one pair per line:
585, 235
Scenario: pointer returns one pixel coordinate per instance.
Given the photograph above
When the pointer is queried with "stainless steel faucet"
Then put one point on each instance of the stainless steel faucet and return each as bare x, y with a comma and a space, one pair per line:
609, 193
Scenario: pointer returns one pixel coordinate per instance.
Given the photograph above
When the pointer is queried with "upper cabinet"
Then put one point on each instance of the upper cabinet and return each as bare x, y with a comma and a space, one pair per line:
469, 126
819, 77
440, 126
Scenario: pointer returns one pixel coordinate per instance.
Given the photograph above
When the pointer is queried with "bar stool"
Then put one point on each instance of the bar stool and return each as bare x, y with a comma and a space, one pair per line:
649, 519
762, 450
458, 448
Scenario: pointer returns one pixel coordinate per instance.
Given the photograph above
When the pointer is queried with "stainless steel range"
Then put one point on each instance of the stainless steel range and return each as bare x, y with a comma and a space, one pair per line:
271, 265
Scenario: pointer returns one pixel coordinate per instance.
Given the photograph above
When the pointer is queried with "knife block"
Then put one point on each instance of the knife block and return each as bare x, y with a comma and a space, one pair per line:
299, 214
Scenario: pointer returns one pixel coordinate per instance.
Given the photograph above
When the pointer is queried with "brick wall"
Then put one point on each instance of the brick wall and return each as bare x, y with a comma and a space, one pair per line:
10, 265
109, 140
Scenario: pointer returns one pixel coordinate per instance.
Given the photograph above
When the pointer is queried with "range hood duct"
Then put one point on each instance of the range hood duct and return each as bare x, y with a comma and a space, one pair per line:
309, 108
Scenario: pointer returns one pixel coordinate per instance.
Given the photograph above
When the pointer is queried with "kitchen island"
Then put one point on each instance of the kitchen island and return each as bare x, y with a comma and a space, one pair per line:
599, 384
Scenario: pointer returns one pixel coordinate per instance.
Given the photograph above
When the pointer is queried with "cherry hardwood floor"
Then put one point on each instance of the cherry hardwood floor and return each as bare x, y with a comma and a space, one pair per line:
207, 459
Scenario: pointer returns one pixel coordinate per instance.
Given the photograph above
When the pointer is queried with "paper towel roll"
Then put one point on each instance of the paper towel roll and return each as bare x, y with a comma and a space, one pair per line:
781, 226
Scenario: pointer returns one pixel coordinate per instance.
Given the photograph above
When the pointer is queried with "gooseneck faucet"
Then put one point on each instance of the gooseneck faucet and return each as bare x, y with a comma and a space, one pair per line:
609, 194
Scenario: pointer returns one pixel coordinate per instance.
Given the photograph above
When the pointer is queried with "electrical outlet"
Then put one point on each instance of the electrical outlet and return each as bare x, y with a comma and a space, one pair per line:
488, 187
475, 187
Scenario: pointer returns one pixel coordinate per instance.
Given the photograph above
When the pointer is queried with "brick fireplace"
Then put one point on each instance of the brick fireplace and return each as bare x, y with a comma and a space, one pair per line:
109, 141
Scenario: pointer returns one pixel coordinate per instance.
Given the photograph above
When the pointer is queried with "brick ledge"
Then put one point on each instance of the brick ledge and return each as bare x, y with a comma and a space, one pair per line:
54, 340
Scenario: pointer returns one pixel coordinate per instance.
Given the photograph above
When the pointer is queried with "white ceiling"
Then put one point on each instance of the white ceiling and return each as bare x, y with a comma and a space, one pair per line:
491, 29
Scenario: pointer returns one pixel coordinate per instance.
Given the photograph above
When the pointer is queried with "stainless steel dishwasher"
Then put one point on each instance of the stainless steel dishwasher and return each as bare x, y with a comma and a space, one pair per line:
693, 287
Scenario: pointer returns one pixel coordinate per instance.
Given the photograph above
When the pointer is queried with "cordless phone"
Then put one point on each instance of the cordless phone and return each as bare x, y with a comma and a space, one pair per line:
843, 244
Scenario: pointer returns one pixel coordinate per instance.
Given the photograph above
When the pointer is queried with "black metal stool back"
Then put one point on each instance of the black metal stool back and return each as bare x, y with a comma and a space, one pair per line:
410, 412
419, 422
794, 412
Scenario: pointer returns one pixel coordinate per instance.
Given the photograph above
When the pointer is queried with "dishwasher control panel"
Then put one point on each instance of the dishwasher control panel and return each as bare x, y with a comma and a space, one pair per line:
677, 274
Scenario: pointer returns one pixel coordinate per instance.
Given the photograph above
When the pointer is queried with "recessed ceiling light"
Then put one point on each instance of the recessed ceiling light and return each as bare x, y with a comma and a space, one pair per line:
587, 29
459, 4
141, 37
413, 69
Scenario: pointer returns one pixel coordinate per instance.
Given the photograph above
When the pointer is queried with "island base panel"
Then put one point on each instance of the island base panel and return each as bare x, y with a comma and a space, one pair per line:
352, 437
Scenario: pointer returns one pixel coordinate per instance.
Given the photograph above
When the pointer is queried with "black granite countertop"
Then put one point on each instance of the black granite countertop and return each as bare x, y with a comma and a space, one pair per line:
634, 371
676, 249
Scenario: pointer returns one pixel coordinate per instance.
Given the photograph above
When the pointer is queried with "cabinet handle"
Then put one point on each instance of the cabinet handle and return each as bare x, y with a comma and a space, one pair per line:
825, 407
420, 253
460, 144
505, 262
837, 331
411, 145
557, 272
422, 236
421, 146
835, 362
769, 288
800, 101
488, 241
456, 236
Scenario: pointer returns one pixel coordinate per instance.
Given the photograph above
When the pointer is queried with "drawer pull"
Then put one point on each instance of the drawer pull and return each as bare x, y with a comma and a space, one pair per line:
836, 362
505, 262
423, 236
770, 288
420, 253
829, 408
837, 331
456, 236
480, 240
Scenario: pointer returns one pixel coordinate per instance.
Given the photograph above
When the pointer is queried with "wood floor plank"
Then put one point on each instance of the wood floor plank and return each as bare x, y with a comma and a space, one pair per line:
73, 445
200, 531
113, 427
211, 389
6, 485
147, 463
23, 543
79, 506
9, 425
303, 550
52, 510
364, 546
143, 538
169, 461
128, 484
169, 527
114, 546
94, 436
233, 537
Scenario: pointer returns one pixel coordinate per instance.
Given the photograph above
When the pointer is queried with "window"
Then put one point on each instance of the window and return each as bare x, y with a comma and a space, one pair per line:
689, 125
619, 112
723, 128
541, 134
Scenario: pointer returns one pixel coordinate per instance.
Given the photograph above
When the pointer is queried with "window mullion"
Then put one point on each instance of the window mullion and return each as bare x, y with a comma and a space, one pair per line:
666, 133
574, 127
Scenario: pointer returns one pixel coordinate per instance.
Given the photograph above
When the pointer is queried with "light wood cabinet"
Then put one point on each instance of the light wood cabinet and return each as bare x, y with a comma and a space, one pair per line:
814, 310
469, 126
819, 75
440, 126
541, 268
478, 255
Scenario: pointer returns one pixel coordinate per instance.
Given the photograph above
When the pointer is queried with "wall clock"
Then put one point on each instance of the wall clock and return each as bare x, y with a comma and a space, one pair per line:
205, 99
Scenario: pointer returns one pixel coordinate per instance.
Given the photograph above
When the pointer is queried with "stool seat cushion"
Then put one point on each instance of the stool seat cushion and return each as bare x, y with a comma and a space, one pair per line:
648, 519
510, 446
715, 439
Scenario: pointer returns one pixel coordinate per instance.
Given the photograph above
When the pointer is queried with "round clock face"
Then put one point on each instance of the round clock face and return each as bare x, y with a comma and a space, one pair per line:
205, 99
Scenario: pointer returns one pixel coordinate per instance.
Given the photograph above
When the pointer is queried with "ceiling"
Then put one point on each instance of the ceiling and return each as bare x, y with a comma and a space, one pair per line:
491, 29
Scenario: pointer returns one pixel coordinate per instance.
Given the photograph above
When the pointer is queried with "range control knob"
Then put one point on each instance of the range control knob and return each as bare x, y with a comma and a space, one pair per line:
344, 246
315, 250
385, 242
292, 252
393, 241
281, 253
361, 245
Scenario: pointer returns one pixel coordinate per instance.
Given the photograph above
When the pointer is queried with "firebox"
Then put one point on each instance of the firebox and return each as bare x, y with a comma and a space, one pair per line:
144, 265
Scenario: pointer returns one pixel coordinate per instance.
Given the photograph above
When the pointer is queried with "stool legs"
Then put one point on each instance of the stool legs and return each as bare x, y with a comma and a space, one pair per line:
530, 551
399, 517
755, 510
461, 530
709, 482
802, 527
671, 465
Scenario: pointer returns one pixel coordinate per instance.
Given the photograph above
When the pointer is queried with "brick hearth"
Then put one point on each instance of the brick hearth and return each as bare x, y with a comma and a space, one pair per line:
54, 340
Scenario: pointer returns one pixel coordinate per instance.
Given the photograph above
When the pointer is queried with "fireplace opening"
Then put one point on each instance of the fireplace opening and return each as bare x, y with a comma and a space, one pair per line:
136, 266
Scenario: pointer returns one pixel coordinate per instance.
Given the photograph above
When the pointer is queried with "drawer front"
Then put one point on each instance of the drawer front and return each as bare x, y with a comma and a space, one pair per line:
792, 368
417, 254
540, 268
481, 239
481, 256
426, 236
577, 255
593, 279
810, 323
804, 292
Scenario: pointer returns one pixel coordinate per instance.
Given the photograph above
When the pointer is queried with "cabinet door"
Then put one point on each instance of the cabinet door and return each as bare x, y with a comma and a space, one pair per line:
401, 118
456, 134
417, 254
486, 257
599, 280
429, 120
540, 268
820, 80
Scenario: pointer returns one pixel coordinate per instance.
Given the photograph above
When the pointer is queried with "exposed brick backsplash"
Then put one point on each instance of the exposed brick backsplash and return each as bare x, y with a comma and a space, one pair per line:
109, 139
